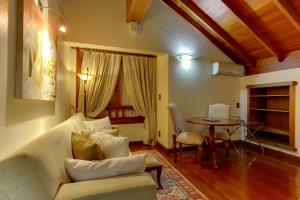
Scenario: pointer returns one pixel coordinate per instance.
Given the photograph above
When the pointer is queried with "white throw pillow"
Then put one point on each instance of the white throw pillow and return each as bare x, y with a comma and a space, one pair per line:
82, 170
98, 124
113, 132
112, 146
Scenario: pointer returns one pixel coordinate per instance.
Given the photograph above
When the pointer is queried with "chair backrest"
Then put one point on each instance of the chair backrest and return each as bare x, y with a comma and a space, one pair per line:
219, 110
175, 118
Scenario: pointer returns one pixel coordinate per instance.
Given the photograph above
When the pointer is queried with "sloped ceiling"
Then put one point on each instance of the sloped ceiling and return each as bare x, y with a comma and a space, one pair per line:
102, 22
247, 31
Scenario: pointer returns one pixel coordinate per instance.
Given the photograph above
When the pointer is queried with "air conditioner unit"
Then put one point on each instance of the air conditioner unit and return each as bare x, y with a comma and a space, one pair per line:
227, 69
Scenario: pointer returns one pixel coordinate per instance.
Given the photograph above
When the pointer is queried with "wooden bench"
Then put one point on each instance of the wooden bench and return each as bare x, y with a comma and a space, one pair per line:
152, 164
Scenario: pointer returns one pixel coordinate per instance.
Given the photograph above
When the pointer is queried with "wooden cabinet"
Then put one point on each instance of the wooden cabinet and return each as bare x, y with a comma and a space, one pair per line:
274, 106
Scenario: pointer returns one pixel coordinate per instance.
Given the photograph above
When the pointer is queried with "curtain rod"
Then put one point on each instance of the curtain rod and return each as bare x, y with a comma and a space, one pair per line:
114, 52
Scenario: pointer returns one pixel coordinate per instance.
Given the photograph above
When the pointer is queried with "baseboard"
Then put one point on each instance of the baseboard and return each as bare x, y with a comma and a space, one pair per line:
136, 143
170, 150
243, 144
160, 146
238, 143
270, 152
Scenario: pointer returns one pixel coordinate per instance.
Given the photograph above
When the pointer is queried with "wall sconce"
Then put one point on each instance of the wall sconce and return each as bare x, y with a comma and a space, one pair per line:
185, 59
62, 27
85, 77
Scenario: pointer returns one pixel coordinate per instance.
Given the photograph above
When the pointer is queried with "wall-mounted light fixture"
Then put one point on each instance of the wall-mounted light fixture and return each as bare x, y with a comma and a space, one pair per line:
185, 59
62, 27
185, 56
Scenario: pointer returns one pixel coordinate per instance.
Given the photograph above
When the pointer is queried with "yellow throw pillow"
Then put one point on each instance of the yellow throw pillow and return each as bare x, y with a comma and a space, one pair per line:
85, 149
86, 133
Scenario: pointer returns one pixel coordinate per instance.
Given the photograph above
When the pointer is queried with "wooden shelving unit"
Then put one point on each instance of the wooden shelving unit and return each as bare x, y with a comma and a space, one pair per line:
271, 95
269, 110
274, 106
276, 130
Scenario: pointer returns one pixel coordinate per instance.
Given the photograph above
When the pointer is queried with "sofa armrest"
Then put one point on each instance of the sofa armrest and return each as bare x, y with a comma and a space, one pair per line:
126, 187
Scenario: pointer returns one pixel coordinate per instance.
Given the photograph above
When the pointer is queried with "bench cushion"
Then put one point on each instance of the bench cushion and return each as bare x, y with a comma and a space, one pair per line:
151, 161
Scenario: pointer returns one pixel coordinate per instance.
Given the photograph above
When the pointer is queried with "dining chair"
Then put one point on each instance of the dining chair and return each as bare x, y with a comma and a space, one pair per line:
223, 133
181, 136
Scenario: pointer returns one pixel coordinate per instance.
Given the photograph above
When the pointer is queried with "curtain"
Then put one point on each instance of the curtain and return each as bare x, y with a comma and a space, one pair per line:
125, 98
106, 67
140, 83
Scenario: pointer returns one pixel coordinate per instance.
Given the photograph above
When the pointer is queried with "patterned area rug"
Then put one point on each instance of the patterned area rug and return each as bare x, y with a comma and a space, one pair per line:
175, 185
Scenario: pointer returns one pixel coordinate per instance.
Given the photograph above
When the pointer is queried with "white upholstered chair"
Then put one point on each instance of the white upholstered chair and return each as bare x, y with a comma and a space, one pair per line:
222, 133
184, 137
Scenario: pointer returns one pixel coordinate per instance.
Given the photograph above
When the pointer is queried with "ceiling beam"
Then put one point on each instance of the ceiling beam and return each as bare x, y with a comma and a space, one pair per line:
251, 20
206, 33
210, 24
136, 10
289, 12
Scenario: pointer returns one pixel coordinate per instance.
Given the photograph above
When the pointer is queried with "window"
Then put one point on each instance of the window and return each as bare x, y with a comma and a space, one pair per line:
119, 109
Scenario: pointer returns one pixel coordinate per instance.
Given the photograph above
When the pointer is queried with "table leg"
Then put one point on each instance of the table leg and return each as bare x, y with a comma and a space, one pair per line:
212, 145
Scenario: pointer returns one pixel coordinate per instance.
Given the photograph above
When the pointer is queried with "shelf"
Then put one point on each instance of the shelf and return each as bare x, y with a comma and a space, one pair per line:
271, 95
270, 110
276, 130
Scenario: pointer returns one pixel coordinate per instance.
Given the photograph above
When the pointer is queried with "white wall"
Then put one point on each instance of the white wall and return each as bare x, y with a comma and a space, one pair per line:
103, 22
23, 120
274, 77
193, 89
135, 132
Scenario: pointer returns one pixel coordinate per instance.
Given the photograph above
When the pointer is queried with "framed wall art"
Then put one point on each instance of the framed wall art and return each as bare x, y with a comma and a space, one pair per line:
36, 53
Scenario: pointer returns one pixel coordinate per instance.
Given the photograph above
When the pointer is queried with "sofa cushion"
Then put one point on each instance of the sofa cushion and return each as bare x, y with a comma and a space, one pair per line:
82, 170
127, 187
85, 149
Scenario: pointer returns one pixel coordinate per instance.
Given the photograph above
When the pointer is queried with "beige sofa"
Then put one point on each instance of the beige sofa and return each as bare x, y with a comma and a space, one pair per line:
37, 172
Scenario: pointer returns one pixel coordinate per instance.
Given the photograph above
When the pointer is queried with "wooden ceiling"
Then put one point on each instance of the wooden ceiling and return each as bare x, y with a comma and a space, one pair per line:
136, 10
247, 31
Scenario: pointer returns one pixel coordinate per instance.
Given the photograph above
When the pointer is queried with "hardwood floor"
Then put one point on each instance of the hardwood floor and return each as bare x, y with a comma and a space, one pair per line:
254, 176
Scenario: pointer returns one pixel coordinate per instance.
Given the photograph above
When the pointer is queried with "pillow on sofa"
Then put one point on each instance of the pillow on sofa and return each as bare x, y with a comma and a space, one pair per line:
98, 124
113, 132
85, 149
86, 133
112, 146
81, 170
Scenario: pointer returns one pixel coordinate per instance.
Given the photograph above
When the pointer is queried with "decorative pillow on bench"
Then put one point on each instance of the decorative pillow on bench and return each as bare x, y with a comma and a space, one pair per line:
81, 170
